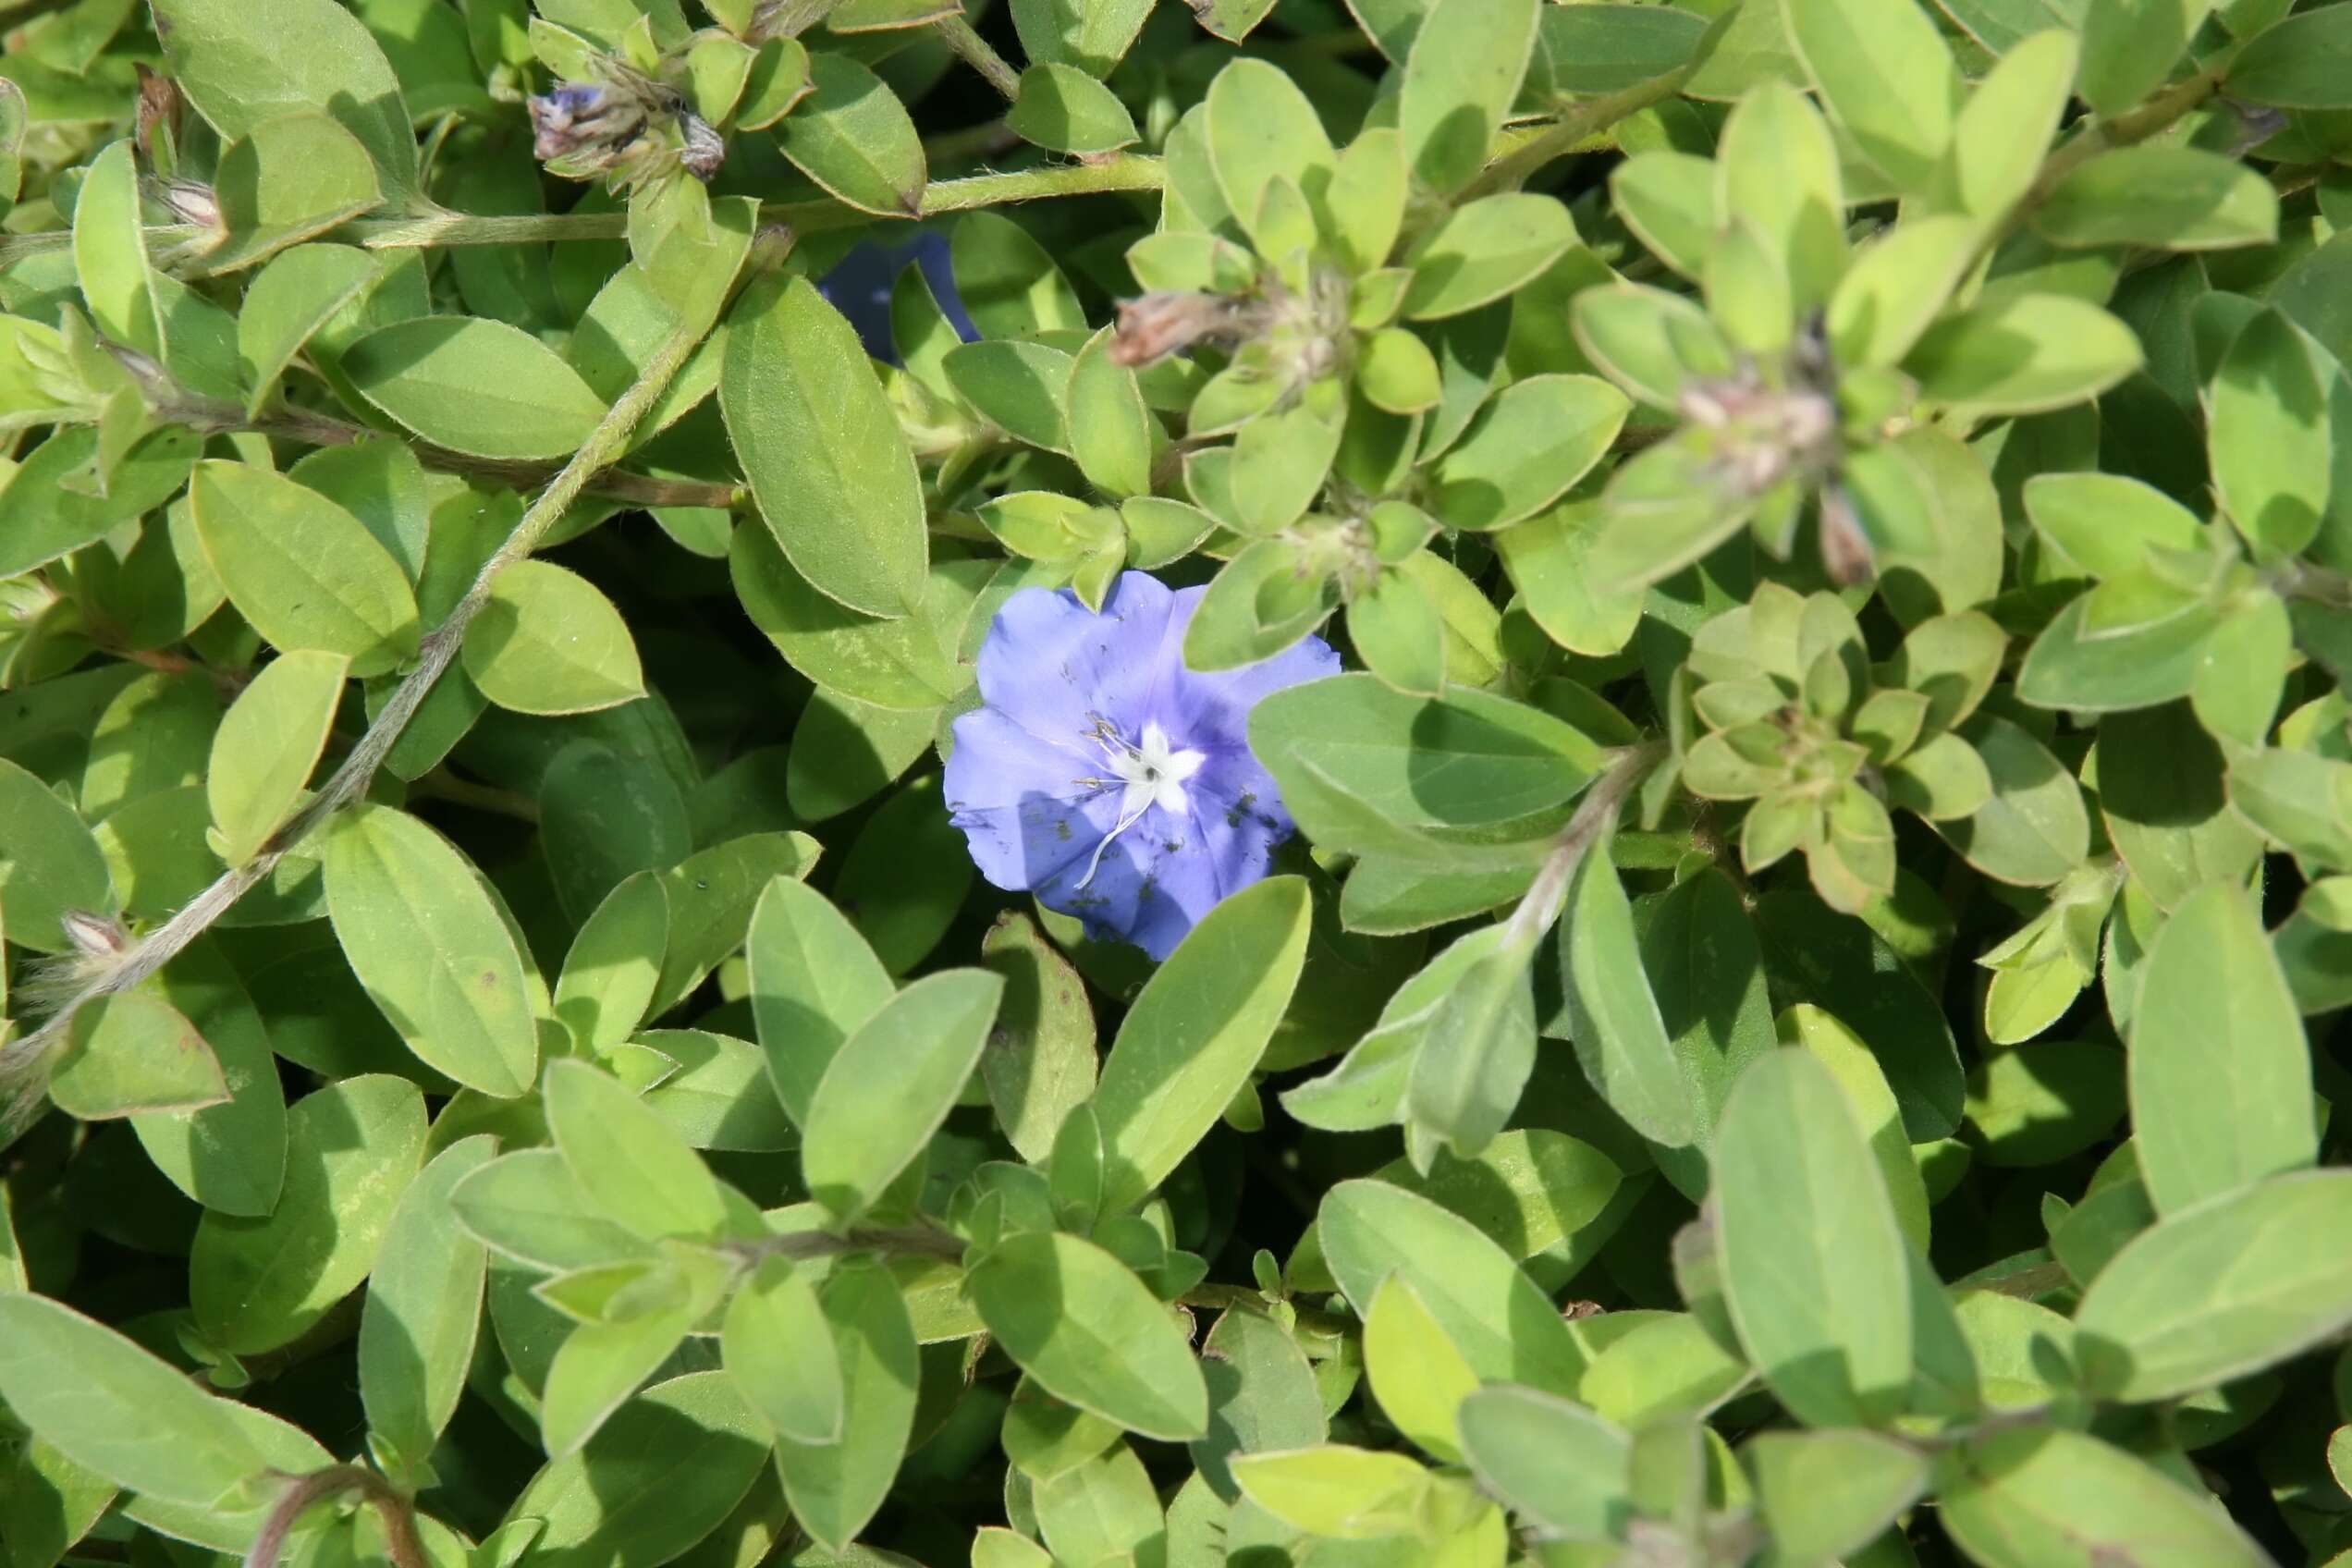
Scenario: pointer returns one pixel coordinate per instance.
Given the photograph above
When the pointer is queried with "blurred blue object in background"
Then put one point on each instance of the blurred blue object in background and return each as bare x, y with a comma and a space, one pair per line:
859, 286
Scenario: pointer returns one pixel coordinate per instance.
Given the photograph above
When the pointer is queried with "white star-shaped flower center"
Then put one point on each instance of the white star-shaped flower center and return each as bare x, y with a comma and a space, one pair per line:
1151, 772
1154, 772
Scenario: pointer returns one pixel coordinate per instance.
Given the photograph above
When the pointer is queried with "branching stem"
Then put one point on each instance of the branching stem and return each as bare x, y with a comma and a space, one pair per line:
400, 1541
975, 52
439, 647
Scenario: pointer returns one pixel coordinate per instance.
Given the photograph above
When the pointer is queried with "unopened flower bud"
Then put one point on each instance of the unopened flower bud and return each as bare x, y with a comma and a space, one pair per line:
94, 935
192, 202
1161, 324
583, 122
703, 149
1847, 553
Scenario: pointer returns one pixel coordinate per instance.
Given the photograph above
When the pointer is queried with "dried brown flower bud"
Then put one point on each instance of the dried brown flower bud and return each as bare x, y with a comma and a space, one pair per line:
1158, 324
704, 150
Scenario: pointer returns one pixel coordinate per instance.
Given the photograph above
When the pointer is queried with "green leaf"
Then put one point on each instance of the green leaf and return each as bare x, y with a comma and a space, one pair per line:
1091, 1334
50, 866
1349, 745
1503, 1326
285, 180
2071, 666
2002, 133
230, 1157
603, 817
1814, 1265
853, 136
1826, 1495
477, 387
306, 573
1195, 1034
717, 1093
631, 1163
1886, 77
1461, 79
432, 949
110, 255
1039, 1064
1417, 1374
2045, 1100
2177, 198
1400, 635
2220, 1076
351, 1150
1606, 48
2034, 829
712, 896
2130, 46
658, 1477
1621, 1037
424, 1307
73, 1380
266, 745
831, 472
1485, 249
1337, 1491
1537, 438
1110, 431
2045, 1497
1262, 1395
528, 1205
1018, 386
379, 481
1008, 285
1092, 36
131, 1052
47, 520
1065, 110
1555, 1463
1101, 1509
547, 642
1898, 284
2301, 63
2024, 354
814, 983
908, 665
1261, 129
245, 65
603, 1360
779, 1349
295, 294
2214, 1293
891, 1085
2270, 435
1478, 1051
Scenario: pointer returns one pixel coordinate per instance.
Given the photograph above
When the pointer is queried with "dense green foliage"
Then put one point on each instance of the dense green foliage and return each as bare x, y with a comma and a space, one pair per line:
1797, 1026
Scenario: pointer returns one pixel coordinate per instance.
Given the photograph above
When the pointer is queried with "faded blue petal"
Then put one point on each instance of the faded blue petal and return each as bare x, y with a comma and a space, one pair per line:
1069, 698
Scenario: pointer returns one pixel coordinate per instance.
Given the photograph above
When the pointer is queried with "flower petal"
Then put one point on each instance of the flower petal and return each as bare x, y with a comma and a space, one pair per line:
1021, 805
1153, 884
1052, 666
1205, 711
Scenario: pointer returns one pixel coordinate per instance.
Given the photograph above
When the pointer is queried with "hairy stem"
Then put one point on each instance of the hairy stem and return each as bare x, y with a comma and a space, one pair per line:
920, 1241
325, 430
399, 1518
975, 50
2151, 118
1580, 127
439, 647
1128, 171
1596, 814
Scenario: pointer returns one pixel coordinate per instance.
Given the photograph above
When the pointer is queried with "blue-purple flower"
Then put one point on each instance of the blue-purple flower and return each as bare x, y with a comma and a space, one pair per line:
1105, 776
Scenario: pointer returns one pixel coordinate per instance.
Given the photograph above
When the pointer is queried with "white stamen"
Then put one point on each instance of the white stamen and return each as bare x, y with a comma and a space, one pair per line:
1154, 773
